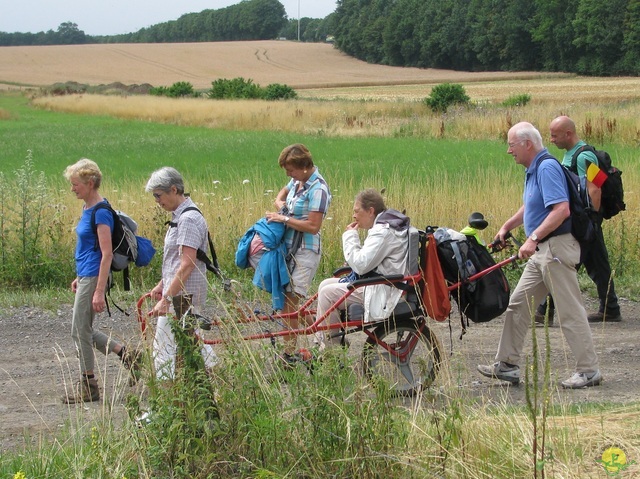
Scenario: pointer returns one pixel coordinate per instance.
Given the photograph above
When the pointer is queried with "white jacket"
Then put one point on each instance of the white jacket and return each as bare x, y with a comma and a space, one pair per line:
385, 250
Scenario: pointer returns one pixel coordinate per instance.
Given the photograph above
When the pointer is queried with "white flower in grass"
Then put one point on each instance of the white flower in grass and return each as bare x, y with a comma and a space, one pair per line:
216, 182
227, 198
244, 182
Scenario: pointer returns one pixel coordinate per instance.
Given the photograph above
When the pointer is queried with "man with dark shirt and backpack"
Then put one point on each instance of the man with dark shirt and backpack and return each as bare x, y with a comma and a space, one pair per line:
595, 256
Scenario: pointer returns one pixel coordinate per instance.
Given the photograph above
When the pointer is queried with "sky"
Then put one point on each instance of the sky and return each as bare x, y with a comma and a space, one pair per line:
113, 17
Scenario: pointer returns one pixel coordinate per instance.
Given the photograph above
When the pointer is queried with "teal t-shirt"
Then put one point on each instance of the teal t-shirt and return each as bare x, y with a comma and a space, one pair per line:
581, 160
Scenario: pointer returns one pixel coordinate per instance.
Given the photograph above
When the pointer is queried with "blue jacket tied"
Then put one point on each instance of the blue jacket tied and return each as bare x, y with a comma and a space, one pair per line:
271, 274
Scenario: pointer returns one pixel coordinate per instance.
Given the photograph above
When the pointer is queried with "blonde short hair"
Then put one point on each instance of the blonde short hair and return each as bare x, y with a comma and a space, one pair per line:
85, 170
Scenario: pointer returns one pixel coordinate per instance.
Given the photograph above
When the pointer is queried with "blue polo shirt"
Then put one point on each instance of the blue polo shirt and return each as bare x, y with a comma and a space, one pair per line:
540, 196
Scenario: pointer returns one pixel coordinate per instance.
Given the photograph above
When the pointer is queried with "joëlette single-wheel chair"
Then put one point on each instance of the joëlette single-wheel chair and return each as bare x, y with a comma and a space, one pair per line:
402, 349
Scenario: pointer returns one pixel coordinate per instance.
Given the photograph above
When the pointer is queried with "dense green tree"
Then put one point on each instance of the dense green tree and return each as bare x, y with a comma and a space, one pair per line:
445, 35
401, 40
69, 34
598, 33
630, 62
552, 30
500, 34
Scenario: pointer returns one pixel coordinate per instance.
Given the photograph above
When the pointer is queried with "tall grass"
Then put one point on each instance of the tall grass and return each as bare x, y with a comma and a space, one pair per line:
271, 422
613, 121
331, 423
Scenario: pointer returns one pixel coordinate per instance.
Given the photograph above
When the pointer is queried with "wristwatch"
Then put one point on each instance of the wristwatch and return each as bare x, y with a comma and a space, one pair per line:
534, 238
168, 298
286, 219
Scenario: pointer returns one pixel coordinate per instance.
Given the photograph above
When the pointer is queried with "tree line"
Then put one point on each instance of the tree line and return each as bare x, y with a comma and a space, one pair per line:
247, 20
588, 37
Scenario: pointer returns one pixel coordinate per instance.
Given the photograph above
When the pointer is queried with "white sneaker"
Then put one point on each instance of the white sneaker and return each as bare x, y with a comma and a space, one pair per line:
500, 370
318, 340
582, 380
144, 418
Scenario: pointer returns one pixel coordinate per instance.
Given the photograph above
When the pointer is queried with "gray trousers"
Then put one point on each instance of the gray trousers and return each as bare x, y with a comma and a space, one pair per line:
82, 332
550, 270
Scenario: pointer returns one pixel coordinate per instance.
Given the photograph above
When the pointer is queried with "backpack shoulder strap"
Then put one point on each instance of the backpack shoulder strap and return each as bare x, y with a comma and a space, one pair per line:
576, 154
94, 226
211, 264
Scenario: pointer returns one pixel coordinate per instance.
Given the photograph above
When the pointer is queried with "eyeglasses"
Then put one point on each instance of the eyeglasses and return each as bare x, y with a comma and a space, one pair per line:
511, 145
158, 195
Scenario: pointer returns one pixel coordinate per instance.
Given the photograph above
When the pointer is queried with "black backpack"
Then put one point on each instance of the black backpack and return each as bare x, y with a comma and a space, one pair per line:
612, 201
480, 300
582, 223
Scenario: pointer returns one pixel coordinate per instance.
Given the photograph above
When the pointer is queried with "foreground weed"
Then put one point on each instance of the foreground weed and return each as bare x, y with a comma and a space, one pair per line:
29, 230
182, 437
539, 400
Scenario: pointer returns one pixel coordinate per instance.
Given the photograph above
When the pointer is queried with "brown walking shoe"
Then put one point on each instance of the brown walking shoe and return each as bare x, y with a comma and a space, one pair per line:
132, 360
85, 390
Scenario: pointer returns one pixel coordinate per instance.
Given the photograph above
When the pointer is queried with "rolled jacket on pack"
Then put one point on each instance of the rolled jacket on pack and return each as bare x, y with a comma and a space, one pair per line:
271, 273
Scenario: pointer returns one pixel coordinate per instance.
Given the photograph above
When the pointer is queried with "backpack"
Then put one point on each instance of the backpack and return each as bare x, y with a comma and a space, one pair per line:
582, 223
127, 246
210, 263
612, 201
484, 298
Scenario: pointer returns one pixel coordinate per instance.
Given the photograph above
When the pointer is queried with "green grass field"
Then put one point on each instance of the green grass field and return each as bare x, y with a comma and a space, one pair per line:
437, 181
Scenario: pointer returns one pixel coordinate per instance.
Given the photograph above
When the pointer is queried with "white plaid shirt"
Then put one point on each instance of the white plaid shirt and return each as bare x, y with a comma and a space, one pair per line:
192, 232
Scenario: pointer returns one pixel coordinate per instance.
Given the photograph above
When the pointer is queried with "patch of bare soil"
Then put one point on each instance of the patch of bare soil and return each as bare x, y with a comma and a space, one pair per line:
37, 361
299, 65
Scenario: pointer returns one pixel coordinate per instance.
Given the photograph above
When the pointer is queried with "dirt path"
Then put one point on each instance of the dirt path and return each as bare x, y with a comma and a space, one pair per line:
37, 359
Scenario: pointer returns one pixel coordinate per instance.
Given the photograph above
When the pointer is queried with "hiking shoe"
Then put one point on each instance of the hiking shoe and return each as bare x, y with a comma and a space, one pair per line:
302, 355
541, 312
607, 317
288, 361
132, 360
85, 390
582, 380
500, 370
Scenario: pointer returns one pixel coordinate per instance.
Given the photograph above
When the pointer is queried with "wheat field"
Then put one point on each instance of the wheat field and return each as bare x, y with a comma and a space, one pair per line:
299, 65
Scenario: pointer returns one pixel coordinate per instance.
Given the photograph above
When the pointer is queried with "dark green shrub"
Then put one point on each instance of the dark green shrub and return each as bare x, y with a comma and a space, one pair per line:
517, 100
446, 94
277, 91
232, 89
159, 91
179, 89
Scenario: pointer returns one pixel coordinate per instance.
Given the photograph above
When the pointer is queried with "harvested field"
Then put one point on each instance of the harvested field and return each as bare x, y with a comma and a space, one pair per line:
300, 65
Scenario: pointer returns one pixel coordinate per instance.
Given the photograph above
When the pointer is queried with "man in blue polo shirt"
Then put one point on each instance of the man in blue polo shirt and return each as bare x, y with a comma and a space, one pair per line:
552, 253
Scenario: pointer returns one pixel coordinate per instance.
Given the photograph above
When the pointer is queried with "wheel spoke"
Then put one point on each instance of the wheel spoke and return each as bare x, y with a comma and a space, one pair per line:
402, 354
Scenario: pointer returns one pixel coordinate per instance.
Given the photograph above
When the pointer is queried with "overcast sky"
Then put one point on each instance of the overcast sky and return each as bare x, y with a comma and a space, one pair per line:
112, 17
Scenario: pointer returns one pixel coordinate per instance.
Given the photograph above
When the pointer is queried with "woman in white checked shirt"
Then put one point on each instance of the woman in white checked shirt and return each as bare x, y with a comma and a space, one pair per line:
182, 272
